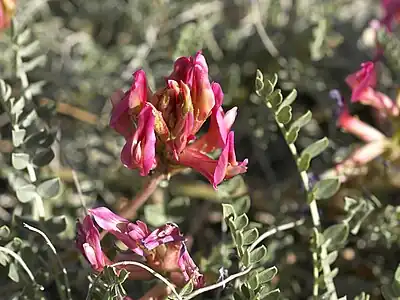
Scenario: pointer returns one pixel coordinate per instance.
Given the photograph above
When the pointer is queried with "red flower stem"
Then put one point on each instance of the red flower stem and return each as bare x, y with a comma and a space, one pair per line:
130, 211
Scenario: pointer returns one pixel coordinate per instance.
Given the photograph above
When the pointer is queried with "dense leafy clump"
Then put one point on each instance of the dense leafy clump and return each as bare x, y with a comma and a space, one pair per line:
257, 154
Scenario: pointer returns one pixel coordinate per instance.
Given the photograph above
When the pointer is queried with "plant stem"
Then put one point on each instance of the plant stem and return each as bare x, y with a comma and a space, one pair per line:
326, 268
142, 196
330, 285
272, 231
218, 284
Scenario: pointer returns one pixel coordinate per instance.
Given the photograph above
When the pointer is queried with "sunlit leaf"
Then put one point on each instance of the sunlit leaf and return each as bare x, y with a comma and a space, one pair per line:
20, 160
50, 188
326, 188
267, 274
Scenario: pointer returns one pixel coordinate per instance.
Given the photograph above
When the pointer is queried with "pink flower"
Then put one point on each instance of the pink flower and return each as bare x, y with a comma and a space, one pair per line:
215, 171
139, 150
189, 268
360, 157
379, 101
357, 127
129, 233
88, 242
392, 12
160, 128
220, 124
7, 10
361, 80
193, 71
163, 249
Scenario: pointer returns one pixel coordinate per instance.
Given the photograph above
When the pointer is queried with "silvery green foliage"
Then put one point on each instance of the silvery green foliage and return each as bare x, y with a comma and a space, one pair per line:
91, 48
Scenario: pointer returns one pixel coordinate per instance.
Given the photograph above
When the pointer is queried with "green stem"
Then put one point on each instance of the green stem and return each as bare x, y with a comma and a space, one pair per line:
330, 286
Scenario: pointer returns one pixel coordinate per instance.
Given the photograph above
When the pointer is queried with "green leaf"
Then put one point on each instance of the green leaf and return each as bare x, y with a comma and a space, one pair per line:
39, 139
275, 99
326, 188
13, 272
26, 193
289, 99
245, 291
337, 234
316, 148
396, 282
18, 136
231, 224
241, 205
284, 114
50, 188
241, 221
267, 274
187, 289
253, 282
259, 84
18, 106
245, 259
273, 80
43, 157
250, 236
302, 121
266, 294
20, 160
239, 239
292, 134
228, 210
238, 296
331, 257
257, 254
4, 232
304, 162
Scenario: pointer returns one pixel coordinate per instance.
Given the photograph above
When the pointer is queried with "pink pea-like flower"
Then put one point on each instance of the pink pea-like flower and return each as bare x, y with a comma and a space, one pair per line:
361, 80
88, 242
391, 13
163, 249
160, 128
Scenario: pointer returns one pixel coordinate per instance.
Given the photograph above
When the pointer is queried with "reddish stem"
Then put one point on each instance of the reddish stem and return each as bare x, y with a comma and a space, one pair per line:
130, 211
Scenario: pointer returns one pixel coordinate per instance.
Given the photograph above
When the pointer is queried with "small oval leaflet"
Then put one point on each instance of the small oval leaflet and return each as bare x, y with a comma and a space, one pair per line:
326, 188
49, 188
267, 275
26, 193
337, 234
250, 236
43, 157
284, 115
20, 160
257, 254
317, 148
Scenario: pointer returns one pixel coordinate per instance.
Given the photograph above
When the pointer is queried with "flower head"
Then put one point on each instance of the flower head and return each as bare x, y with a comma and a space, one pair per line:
160, 128
362, 80
88, 242
392, 13
163, 249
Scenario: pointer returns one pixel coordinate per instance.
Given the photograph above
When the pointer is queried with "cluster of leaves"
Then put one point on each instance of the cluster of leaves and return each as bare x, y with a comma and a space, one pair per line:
32, 140
246, 239
92, 49
323, 244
